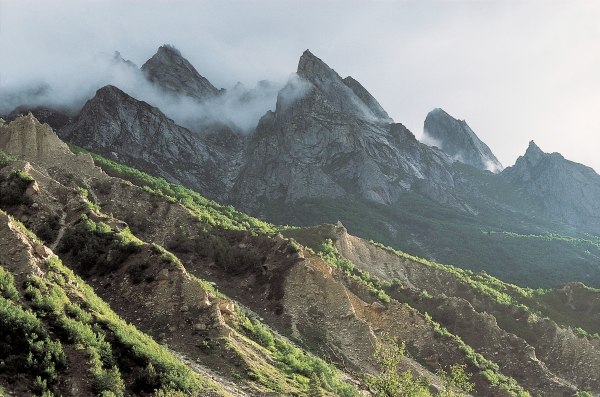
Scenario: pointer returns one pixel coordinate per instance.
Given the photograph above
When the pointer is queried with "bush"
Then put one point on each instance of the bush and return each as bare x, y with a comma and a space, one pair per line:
12, 190
97, 248
7, 285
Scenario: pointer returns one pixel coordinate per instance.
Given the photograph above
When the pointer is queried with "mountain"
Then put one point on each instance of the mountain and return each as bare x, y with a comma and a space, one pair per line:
172, 72
55, 118
564, 190
132, 285
327, 151
458, 140
122, 128
322, 140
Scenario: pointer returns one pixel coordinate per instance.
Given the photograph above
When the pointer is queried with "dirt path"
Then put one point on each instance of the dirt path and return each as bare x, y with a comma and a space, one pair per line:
61, 231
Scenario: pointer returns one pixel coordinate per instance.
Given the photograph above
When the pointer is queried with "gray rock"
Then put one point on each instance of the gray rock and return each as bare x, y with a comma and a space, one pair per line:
124, 129
458, 140
324, 141
563, 190
173, 73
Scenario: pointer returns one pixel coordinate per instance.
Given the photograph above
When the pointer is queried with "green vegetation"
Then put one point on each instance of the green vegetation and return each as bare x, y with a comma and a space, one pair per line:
541, 302
81, 318
97, 247
391, 382
12, 189
25, 345
7, 286
483, 284
5, 159
427, 229
307, 370
207, 211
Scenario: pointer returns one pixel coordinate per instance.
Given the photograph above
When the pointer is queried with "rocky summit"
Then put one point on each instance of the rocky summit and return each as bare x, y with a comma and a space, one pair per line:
564, 190
127, 268
173, 73
458, 140
322, 140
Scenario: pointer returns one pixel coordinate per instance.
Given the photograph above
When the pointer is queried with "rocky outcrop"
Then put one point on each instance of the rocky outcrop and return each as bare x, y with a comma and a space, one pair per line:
132, 132
27, 138
173, 73
563, 190
458, 140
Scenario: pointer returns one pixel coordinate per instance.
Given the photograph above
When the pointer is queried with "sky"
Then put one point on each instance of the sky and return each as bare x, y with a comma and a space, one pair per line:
514, 70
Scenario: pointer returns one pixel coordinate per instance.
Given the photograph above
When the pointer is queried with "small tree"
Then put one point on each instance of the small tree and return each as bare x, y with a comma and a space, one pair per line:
390, 382
314, 387
456, 381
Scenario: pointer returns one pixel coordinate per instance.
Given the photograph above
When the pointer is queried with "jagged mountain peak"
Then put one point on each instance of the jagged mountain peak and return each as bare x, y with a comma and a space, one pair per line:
176, 75
459, 141
567, 191
333, 94
313, 68
109, 90
533, 151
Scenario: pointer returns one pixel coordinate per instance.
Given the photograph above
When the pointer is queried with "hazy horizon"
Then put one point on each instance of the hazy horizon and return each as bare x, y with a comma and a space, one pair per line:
515, 71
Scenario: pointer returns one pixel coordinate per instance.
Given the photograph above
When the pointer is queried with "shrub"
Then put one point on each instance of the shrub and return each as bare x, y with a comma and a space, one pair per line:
12, 190
7, 286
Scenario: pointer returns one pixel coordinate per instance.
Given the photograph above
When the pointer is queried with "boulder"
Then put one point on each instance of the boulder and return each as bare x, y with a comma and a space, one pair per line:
226, 307
42, 251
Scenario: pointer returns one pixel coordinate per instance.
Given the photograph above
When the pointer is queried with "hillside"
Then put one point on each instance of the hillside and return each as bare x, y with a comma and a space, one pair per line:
242, 304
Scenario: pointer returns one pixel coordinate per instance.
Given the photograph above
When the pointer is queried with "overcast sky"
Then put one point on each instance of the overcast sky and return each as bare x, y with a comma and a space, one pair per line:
515, 70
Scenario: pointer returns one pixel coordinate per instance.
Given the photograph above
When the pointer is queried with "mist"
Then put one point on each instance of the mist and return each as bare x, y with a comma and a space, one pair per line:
239, 108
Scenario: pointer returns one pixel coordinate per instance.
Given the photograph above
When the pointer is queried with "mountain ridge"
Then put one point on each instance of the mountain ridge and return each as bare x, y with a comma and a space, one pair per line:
326, 153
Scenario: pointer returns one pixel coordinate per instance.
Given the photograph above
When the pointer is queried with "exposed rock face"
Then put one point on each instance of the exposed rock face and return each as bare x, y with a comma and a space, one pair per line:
458, 140
564, 190
28, 138
297, 291
324, 141
171, 71
131, 131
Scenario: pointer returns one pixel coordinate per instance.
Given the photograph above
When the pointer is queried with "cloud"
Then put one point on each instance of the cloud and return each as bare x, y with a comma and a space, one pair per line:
239, 108
296, 88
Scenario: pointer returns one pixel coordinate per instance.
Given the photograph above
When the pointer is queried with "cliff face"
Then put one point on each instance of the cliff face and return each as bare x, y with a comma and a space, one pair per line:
564, 191
122, 128
31, 139
458, 140
328, 151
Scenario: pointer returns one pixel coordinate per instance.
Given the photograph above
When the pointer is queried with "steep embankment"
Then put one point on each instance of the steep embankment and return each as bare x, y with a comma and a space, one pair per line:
145, 284
510, 325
